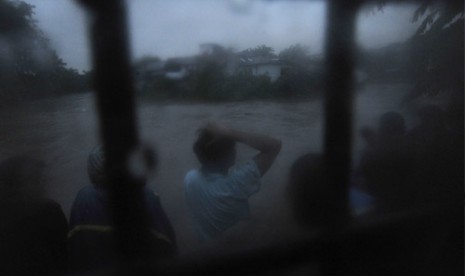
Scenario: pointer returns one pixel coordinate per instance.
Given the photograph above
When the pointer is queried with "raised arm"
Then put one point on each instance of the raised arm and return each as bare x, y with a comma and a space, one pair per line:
267, 146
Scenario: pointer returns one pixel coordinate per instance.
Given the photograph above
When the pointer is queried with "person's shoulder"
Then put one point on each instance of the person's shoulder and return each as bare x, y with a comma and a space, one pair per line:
40, 203
89, 189
50, 203
89, 194
150, 193
48, 211
245, 179
192, 172
252, 164
248, 168
191, 175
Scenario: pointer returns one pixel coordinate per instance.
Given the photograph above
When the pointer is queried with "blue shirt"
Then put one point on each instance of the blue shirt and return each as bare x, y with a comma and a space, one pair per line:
90, 239
217, 202
91, 208
359, 202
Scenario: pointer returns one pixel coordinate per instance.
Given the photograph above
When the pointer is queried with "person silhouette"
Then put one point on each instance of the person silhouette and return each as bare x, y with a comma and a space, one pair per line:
33, 229
218, 199
438, 167
313, 200
91, 241
386, 168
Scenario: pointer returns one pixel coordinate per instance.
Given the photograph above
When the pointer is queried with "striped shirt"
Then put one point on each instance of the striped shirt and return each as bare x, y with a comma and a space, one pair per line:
91, 240
217, 202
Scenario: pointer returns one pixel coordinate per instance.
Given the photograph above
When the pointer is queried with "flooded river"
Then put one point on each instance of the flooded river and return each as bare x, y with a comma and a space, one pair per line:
62, 131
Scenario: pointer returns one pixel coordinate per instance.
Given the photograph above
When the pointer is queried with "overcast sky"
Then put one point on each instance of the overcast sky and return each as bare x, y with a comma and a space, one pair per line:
168, 28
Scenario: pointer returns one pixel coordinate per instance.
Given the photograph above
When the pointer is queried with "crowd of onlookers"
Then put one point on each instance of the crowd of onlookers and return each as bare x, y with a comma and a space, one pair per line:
411, 168
400, 169
37, 239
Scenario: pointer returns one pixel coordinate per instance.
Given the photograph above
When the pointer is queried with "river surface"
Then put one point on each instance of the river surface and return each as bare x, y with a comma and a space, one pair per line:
63, 130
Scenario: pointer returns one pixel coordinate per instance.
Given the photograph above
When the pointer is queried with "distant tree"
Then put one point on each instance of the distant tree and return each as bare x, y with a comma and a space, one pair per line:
29, 67
261, 51
18, 32
437, 47
16, 17
216, 54
141, 66
145, 60
300, 75
295, 55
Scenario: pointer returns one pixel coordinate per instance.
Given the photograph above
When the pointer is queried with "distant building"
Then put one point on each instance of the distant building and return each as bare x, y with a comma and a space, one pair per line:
270, 67
179, 68
150, 68
211, 49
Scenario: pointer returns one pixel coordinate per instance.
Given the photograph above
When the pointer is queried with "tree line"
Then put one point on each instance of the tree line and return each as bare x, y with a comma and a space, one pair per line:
225, 74
432, 59
29, 66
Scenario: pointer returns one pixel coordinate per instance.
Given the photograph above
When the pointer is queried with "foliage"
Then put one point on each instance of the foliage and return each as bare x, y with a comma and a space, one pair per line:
301, 76
146, 60
218, 76
261, 51
296, 55
29, 67
432, 58
208, 82
211, 83
438, 47
436, 55
299, 83
16, 17
245, 86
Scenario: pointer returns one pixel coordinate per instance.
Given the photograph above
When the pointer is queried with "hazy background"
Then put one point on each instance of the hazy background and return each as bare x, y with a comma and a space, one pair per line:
62, 128
176, 28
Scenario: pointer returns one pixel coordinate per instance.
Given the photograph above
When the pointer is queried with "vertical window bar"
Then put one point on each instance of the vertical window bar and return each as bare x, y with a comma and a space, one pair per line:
338, 100
115, 102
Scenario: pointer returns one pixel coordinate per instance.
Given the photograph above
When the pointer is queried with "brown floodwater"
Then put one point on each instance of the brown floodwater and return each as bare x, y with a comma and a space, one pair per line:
63, 130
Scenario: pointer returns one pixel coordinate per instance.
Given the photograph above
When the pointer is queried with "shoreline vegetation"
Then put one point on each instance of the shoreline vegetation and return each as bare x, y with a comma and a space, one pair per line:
432, 60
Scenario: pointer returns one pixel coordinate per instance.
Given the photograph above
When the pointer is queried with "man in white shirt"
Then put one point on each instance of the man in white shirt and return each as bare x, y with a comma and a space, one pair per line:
217, 198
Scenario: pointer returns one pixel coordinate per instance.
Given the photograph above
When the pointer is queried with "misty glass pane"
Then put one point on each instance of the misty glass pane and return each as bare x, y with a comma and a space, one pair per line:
47, 128
47, 110
251, 65
408, 129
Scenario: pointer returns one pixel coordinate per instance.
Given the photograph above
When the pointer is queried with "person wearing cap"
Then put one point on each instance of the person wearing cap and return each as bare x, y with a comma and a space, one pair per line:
90, 239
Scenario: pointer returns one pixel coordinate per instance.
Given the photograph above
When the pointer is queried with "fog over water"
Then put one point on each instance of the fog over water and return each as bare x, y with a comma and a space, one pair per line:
176, 28
62, 131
